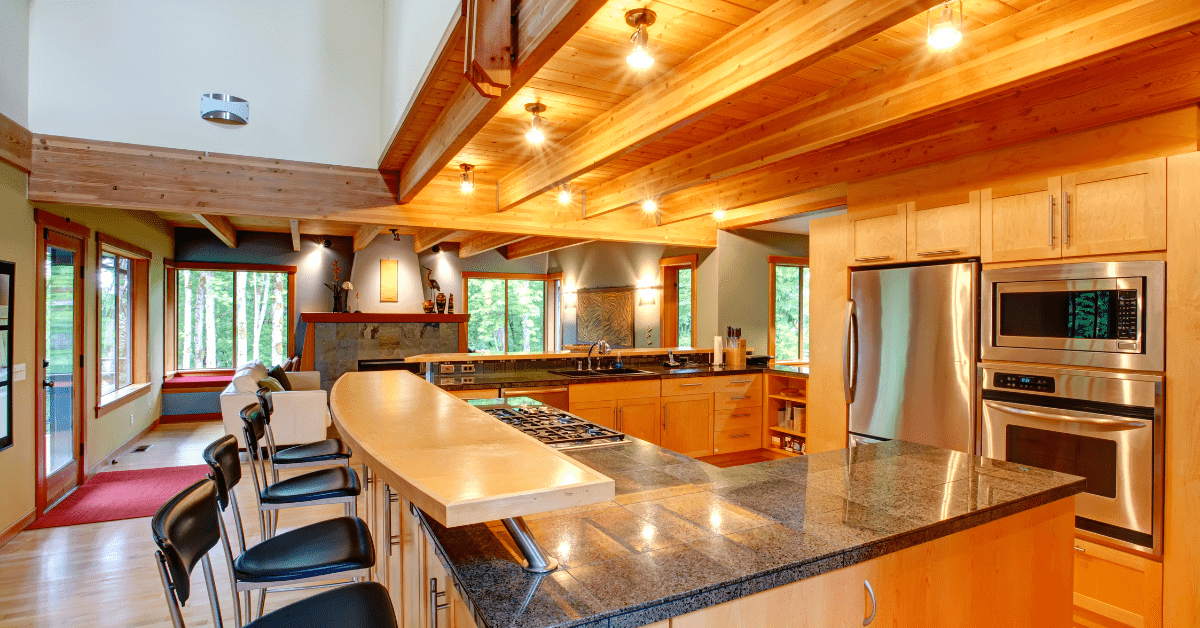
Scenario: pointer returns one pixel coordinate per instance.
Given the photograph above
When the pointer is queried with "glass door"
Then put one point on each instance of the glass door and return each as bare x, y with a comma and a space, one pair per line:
60, 460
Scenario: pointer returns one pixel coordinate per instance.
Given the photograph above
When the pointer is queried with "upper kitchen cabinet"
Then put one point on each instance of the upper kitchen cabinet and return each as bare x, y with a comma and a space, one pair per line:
1120, 209
878, 235
938, 229
1020, 221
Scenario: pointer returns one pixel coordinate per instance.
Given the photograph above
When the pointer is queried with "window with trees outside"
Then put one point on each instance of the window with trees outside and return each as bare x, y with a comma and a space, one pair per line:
226, 316
122, 325
678, 327
508, 312
788, 329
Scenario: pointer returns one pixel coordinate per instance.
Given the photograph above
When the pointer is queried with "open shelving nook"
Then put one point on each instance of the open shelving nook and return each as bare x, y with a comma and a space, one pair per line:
784, 392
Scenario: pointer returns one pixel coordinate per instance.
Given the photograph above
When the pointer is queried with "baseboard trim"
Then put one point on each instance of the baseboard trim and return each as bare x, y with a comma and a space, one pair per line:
189, 418
119, 451
13, 530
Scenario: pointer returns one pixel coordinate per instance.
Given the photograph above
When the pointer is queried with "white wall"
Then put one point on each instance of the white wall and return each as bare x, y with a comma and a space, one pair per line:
743, 277
14, 60
133, 71
411, 32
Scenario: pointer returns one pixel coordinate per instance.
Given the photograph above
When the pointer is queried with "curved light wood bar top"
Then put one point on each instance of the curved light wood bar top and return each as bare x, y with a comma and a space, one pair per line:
455, 462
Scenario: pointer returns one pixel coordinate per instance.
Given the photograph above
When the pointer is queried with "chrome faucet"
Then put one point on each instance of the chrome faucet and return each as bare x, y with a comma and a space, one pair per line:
604, 349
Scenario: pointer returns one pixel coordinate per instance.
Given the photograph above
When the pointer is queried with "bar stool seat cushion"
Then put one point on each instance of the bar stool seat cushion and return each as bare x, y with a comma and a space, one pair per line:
323, 484
328, 547
358, 605
329, 449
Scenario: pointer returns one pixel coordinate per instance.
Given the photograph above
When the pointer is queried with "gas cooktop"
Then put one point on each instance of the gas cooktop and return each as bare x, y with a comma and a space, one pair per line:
552, 426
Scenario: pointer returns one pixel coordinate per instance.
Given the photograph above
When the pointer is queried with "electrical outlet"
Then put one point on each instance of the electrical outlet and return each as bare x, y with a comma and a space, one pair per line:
468, 368
468, 380
446, 368
130, 419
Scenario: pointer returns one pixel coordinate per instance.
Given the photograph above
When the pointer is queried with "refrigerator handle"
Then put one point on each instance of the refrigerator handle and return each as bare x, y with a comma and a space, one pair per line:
849, 335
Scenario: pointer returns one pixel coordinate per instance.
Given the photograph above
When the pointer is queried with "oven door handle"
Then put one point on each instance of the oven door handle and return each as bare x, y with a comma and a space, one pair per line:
1063, 417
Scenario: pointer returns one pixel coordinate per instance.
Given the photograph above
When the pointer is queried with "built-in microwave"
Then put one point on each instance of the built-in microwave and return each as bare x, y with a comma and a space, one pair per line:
1107, 315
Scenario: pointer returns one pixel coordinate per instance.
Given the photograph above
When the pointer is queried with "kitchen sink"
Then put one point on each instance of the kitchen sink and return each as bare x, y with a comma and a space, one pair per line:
601, 372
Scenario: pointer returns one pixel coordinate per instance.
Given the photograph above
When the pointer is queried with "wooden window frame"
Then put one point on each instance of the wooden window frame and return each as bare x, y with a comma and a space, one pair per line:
546, 279
772, 262
9, 269
668, 275
140, 336
171, 312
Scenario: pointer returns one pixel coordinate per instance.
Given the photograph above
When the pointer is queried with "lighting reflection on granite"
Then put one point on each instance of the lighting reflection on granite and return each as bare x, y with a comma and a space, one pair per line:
683, 535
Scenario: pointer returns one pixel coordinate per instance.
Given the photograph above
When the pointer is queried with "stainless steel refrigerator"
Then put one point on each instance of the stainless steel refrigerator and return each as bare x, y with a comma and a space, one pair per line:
910, 352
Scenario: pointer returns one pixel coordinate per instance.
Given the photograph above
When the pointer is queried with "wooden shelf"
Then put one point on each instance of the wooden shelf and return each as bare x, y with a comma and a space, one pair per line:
776, 428
789, 398
782, 451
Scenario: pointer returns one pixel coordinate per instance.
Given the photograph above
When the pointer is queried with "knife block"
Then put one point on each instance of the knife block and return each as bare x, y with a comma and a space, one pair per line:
736, 357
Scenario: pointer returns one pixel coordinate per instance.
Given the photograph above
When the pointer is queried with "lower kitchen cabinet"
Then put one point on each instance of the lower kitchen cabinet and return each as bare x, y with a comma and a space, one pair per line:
599, 412
1116, 589
687, 424
639, 418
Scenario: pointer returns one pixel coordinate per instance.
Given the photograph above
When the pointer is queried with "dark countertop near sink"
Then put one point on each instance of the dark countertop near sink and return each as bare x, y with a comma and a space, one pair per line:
683, 535
542, 377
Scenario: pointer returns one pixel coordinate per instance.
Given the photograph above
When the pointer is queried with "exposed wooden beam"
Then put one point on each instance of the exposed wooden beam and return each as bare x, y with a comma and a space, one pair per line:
92, 173
16, 145
781, 40
295, 228
543, 26
365, 235
1157, 79
770, 211
1054, 37
484, 242
220, 227
534, 246
424, 239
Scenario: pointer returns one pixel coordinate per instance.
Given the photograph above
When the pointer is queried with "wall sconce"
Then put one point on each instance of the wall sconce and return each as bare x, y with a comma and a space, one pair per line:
647, 292
569, 300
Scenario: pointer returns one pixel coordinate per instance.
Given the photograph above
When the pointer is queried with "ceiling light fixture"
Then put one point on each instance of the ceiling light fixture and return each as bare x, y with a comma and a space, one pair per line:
395, 235
946, 31
564, 194
649, 206
719, 214
536, 134
640, 57
466, 180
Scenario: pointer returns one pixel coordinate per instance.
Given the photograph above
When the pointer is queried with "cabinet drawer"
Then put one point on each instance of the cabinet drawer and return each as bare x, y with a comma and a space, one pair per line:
733, 419
582, 393
737, 383
737, 439
687, 386
737, 401
1115, 588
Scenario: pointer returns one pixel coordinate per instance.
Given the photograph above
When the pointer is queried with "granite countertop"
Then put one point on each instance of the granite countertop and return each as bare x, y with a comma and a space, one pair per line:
682, 535
543, 377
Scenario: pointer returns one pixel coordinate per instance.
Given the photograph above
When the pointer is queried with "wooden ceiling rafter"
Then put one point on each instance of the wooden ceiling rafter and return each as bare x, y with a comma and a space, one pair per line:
483, 242
425, 239
294, 227
1016, 50
538, 245
364, 236
776, 43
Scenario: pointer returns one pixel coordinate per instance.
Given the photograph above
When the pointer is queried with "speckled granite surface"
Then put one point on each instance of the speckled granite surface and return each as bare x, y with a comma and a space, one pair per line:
683, 535
541, 377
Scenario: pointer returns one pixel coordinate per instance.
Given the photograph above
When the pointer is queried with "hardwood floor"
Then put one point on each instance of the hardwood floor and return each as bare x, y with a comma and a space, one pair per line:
104, 574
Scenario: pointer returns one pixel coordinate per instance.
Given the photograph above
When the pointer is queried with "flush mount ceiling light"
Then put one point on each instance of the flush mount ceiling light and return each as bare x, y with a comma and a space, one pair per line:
640, 57
564, 194
224, 109
649, 206
466, 180
945, 32
536, 134
719, 214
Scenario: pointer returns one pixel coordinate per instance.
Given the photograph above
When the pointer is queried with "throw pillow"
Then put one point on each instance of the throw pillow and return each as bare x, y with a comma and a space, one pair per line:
271, 383
244, 381
280, 376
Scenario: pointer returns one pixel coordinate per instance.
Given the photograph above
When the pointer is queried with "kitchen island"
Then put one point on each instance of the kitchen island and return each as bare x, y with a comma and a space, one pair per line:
898, 533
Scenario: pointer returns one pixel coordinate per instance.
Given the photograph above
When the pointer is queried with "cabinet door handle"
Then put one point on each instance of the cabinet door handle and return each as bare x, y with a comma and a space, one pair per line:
621, 419
740, 436
1067, 220
874, 605
740, 398
737, 416
690, 385
1080, 549
742, 381
434, 607
945, 252
1050, 226
872, 259
664, 421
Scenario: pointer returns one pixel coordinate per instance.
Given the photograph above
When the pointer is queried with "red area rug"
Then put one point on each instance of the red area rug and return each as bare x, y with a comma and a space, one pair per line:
115, 495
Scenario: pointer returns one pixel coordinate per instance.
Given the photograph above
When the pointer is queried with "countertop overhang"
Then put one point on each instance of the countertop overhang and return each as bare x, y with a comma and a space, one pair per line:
455, 462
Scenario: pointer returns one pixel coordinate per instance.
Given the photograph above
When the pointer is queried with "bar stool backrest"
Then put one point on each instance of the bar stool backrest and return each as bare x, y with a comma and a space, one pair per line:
264, 400
222, 455
185, 529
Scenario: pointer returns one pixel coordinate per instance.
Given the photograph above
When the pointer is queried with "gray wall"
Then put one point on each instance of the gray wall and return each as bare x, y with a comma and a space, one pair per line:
313, 262
743, 280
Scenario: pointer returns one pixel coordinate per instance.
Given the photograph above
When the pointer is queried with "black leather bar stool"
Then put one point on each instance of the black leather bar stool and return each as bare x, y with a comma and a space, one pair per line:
331, 485
336, 548
188, 526
319, 454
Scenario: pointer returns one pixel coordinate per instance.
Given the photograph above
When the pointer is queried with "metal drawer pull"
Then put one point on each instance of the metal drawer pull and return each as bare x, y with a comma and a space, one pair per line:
874, 605
1067, 220
685, 385
735, 416
739, 398
1080, 549
742, 381
1062, 417
1051, 225
872, 259
946, 252
434, 607
740, 436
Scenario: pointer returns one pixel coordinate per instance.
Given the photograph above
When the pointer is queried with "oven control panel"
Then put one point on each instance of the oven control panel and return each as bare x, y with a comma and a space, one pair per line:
1127, 314
1032, 383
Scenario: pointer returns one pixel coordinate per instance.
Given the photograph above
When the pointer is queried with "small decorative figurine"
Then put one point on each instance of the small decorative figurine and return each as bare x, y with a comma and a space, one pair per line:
427, 306
450, 305
441, 303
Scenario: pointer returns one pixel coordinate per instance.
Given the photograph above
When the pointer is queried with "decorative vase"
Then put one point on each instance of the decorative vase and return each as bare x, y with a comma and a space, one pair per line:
441, 303
428, 306
450, 305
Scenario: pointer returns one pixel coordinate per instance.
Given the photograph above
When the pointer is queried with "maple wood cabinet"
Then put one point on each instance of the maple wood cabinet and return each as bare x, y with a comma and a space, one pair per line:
639, 418
878, 235
687, 424
1021, 221
938, 229
599, 412
1115, 588
1120, 209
